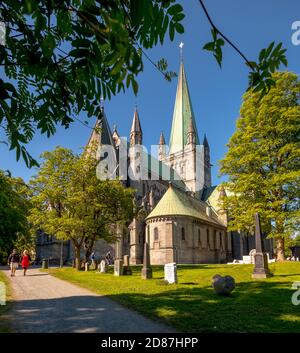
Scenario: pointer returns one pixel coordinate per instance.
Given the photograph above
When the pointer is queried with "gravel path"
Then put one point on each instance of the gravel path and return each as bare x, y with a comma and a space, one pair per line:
43, 303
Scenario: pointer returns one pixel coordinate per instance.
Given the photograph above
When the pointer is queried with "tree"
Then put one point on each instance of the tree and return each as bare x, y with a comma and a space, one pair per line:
72, 204
14, 208
263, 162
60, 57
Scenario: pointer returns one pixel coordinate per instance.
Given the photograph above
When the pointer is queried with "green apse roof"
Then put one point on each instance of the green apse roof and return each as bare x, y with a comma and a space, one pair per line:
177, 203
183, 112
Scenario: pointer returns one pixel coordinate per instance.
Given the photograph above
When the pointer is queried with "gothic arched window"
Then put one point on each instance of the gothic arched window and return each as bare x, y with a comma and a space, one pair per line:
207, 237
182, 233
155, 234
215, 239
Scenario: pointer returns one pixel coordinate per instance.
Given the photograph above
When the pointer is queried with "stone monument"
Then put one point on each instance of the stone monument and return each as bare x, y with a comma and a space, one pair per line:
146, 270
261, 269
171, 272
118, 267
126, 267
86, 266
103, 266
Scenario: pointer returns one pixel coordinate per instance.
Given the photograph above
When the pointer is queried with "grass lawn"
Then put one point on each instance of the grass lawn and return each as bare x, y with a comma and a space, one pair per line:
4, 325
192, 306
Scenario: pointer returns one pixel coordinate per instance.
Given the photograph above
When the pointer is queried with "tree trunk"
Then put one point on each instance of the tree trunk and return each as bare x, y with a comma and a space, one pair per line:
89, 248
77, 258
280, 249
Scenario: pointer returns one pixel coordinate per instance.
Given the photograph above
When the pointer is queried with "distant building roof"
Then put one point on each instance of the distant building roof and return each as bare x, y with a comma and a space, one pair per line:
206, 193
178, 203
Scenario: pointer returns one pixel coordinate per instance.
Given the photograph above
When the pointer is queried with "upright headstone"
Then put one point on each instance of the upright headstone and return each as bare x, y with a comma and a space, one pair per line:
118, 267
146, 270
103, 266
86, 266
171, 272
261, 269
126, 266
94, 265
2, 294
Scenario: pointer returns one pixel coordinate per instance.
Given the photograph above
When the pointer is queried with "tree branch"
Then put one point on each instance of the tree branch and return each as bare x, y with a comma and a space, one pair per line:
223, 35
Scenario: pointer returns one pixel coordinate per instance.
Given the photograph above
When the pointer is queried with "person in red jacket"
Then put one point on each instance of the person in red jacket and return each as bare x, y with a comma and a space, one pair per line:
25, 261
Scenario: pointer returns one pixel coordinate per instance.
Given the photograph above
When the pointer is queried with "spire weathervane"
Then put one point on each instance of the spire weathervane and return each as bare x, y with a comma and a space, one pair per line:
181, 50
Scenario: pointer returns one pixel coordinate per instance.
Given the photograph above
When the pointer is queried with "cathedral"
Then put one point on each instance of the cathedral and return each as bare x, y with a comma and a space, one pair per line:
180, 213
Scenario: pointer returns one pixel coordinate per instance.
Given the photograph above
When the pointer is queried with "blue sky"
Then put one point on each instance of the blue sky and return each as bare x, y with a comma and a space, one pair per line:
216, 94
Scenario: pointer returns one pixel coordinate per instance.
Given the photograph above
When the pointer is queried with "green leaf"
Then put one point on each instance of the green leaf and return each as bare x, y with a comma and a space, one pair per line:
171, 31
209, 46
48, 45
175, 9
179, 27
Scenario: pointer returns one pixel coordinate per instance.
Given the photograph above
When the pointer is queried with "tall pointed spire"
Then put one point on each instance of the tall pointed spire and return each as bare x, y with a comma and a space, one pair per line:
105, 132
161, 147
183, 112
136, 133
101, 132
162, 139
205, 142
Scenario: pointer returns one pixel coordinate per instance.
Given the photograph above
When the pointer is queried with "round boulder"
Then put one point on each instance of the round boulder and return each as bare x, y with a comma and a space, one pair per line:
223, 285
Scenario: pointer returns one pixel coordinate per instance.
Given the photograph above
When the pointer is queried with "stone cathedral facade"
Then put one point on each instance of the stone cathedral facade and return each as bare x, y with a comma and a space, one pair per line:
180, 211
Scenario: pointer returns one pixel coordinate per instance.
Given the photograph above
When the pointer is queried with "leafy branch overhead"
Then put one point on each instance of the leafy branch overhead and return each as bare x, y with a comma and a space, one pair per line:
269, 60
61, 57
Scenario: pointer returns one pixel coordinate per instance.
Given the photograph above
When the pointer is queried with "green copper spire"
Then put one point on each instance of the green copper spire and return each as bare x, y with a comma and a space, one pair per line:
183, 112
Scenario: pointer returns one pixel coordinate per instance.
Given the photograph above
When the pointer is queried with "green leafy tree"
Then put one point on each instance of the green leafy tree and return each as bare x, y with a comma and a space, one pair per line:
72, 204
60, 57
14, 208
263, 162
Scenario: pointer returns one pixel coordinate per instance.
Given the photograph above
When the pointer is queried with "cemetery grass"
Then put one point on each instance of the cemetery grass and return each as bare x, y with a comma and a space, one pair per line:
4, 309
192, 306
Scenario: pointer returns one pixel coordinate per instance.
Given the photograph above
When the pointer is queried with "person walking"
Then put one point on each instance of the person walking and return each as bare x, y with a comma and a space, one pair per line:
25, 261
108, 258
93, 257
13, 262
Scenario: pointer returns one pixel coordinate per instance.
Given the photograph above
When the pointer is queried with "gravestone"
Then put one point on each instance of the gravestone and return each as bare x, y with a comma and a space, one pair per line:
171, 272
251, 254
2, 294
103, 267
247, 259
261, 269
94, 265
86, 266
126, 267
118, 267
146, 270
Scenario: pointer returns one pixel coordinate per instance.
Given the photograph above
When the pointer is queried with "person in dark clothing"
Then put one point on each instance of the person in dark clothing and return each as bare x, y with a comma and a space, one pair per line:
93, 258
13, 262
108, 258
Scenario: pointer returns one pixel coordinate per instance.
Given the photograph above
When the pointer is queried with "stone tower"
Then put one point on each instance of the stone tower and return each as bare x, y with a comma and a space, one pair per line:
135, 152
187, 156
161, 147
207, 165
